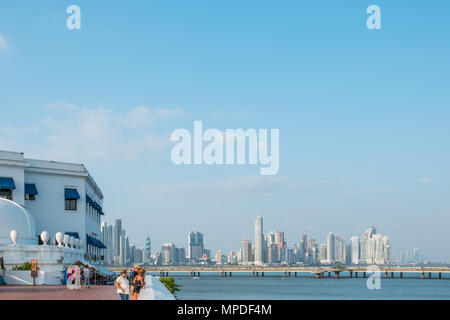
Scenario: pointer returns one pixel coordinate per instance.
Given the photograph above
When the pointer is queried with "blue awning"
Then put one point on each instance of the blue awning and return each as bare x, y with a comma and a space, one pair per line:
98, 208
95, 242
73, 234
30, 188
71, 194
7, 183
89, 200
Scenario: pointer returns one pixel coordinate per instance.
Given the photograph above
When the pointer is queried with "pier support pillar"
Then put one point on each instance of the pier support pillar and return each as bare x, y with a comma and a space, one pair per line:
429, 275
231, 274
351, 274
356, 274
386, 274
440, 275
401, 275
329, 274
296, 274
364, 274
392, 275
423, 275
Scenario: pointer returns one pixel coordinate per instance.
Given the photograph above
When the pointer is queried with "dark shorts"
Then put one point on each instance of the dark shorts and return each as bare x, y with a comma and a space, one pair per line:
137, 289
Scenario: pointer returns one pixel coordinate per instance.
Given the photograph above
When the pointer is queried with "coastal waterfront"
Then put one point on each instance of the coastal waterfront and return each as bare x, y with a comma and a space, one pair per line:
301, 288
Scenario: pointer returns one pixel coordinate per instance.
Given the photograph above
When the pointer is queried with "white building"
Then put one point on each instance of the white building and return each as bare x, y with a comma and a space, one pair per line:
354, 241
259, 238
59, 197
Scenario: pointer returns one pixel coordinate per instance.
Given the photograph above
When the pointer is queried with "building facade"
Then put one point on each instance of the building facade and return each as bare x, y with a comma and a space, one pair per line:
62, 197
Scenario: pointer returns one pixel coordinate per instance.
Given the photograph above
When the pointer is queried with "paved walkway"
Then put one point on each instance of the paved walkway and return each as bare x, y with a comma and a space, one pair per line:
57, 293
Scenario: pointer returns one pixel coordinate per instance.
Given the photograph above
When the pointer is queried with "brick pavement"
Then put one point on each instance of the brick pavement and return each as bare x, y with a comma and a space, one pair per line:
57, 293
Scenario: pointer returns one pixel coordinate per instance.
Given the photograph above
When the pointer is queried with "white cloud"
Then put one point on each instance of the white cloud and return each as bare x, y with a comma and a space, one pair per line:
142, 116
3, 44
82, 134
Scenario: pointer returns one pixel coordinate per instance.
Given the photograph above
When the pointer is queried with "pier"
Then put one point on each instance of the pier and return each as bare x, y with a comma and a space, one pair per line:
317, 272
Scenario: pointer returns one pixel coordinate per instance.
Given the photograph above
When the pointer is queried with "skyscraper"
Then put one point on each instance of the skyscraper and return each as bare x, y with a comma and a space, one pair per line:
355, 249
279, 240
259, 240
195, 245
122, 248
168, 252
323, 256
331, 247
247, 251
107, 238
148, 246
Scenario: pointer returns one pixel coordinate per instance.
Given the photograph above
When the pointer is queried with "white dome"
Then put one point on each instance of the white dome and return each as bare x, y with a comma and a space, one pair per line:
15, 217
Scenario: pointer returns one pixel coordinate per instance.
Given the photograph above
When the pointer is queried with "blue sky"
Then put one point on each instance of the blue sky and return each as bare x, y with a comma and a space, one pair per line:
363, 115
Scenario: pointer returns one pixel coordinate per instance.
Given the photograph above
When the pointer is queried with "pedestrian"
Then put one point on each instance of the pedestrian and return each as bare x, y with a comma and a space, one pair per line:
87, 277
133, 276
138, 283
77, 276
123, 285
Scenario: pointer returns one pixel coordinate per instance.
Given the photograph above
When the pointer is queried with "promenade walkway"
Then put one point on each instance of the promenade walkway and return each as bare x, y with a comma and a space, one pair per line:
57, 293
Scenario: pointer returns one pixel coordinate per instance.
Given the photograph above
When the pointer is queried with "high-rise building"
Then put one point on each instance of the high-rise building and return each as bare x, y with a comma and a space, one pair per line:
107, 233
305, 242
247, 251
168, 252
117, 235
331, 244
219, 259
232, 258
279, 240
195, 245
123, 248
259, 240
354, 241
139, 256
148, 246
323, 255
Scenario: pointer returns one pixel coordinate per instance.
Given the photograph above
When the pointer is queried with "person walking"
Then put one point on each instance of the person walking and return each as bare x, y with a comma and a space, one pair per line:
134, 274
87, 277
123, 285
138, 283
77, 276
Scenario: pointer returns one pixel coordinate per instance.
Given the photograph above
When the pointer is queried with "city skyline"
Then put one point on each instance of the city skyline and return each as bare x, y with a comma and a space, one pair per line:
369, 248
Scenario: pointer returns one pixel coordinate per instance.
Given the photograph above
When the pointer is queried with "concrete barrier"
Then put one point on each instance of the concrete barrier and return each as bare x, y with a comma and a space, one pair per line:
154, 290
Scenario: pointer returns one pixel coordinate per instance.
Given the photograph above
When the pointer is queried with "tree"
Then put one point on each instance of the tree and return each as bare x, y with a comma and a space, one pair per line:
170, 284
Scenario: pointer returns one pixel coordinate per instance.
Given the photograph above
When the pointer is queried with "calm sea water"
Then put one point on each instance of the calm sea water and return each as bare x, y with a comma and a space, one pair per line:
305, 287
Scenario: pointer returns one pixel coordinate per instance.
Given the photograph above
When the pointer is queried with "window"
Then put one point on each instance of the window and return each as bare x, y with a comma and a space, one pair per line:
6, 193
71, 204
30, 196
